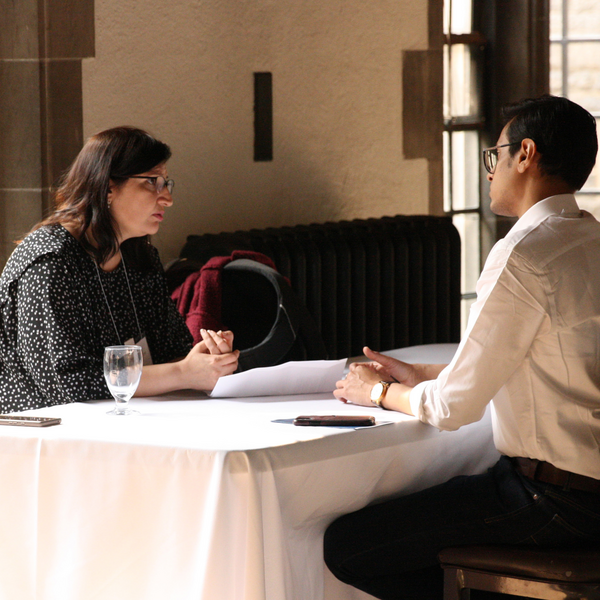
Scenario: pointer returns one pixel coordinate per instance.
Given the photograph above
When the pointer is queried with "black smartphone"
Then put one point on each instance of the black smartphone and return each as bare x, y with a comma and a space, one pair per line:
335, 421
28, 421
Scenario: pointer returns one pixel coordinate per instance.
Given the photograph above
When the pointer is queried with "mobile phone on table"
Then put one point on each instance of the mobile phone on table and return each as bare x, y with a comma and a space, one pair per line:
28, 421
335, 421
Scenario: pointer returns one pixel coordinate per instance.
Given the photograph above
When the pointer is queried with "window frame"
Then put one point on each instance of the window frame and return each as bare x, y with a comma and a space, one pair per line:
564, 40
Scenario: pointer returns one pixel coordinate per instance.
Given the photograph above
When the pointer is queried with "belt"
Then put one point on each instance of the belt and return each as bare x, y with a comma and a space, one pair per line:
538, 470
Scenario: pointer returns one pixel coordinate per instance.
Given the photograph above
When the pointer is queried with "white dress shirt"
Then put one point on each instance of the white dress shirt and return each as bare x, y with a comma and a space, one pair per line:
532, 344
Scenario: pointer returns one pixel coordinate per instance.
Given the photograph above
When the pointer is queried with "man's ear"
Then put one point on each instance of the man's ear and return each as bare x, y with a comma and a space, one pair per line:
527, 155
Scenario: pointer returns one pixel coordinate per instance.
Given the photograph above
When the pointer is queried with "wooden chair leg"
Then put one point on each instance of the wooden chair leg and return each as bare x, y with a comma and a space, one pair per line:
453, 585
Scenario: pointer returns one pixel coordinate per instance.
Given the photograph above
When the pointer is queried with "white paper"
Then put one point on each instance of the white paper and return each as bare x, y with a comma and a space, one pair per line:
291, 378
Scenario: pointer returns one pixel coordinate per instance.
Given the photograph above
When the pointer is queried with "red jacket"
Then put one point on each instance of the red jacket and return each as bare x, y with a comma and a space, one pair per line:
198, 298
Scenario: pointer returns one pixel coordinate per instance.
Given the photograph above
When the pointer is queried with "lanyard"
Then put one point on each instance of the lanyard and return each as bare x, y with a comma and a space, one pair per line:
108, 305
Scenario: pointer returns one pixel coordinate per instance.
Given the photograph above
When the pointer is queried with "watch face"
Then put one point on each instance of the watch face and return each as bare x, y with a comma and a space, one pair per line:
376, 391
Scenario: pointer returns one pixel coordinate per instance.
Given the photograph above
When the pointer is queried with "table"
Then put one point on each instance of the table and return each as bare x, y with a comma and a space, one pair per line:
205, 499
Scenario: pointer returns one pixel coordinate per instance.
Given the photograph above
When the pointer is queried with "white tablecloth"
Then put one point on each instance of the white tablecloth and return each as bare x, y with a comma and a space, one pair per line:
201, 499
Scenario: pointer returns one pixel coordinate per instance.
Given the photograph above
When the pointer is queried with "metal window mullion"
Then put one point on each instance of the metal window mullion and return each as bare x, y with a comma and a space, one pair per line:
466, 211
449, 101
575, 40
565, 48
450, 172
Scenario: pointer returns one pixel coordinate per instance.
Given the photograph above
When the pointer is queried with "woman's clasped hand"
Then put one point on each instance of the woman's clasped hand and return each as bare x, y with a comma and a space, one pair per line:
211, 358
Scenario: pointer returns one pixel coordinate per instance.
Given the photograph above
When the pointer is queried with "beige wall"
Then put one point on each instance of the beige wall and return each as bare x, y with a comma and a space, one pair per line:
183, 70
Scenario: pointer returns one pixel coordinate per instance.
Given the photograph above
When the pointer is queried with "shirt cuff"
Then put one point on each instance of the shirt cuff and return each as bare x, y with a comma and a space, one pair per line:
416, 397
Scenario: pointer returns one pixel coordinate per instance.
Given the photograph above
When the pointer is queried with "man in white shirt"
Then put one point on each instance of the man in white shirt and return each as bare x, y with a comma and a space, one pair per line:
531, 347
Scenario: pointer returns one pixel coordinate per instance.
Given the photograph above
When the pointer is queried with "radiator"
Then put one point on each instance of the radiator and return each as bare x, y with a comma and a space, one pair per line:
387, 283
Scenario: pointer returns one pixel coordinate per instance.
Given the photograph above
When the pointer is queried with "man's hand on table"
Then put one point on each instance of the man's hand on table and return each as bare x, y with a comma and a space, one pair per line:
357, 385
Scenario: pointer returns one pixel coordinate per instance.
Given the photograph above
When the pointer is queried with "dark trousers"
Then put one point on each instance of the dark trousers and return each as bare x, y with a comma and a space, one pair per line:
390, 549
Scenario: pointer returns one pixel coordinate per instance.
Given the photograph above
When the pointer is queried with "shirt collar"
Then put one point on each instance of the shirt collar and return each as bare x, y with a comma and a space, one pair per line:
554, 205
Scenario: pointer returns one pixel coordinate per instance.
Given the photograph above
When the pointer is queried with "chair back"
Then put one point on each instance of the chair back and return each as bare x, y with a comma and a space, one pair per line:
270, 324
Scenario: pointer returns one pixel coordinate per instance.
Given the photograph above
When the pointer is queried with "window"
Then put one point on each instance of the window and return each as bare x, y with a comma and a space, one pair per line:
495, 52
575, 70
464, 125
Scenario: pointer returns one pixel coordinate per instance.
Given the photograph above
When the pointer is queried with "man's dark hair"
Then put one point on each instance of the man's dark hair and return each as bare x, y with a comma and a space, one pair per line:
564, 133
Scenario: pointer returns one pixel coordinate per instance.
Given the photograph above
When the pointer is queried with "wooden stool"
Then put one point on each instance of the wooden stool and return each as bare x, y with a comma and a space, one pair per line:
547, 573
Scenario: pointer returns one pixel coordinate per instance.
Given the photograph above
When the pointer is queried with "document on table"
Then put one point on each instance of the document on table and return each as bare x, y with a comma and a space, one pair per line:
291, 378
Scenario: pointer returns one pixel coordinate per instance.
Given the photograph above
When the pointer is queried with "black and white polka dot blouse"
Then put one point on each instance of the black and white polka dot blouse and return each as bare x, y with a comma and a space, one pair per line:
55, 323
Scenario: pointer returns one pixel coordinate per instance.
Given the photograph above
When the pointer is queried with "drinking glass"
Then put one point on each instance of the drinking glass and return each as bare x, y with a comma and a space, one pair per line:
122, 371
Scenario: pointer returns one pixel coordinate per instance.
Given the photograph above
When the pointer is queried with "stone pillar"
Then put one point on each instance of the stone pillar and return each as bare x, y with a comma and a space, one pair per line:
422, 114
41, 123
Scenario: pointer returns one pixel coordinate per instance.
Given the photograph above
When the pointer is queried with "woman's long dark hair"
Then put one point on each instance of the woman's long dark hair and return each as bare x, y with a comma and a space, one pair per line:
81, 199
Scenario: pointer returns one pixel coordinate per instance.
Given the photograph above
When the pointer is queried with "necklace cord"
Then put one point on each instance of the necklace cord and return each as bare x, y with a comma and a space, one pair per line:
108, 304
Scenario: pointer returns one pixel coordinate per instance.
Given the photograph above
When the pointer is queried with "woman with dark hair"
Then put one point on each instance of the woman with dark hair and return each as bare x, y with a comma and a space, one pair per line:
87, 277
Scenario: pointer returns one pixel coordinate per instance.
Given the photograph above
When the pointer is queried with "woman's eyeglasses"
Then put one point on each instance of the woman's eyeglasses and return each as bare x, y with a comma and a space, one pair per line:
490, 157
158, 181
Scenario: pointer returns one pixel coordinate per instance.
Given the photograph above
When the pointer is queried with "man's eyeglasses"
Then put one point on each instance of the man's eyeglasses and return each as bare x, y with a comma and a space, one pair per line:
158, 181
490, 157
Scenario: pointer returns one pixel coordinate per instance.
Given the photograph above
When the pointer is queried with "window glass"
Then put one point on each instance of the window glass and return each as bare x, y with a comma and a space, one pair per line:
556, 68
575, 70
464, 160
583, 18
462, 85
593, 182
463, 123
457, 16
465, 309
468, 228
556, 20
584, 74
447, 179
446, 83
590, 202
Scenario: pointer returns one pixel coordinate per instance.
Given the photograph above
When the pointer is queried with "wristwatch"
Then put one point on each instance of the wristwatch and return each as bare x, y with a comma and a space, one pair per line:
378, 392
